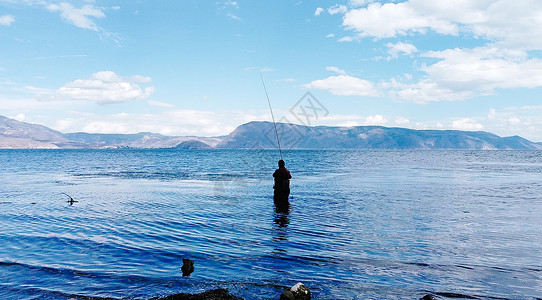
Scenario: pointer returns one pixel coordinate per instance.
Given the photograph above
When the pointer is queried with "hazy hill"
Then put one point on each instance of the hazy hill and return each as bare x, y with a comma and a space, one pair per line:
15, 134
262, 135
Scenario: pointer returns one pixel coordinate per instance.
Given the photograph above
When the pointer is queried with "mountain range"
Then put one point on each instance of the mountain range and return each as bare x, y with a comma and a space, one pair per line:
262, 135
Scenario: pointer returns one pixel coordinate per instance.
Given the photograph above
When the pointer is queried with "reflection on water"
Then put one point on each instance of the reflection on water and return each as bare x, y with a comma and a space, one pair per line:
281, 220
280, 228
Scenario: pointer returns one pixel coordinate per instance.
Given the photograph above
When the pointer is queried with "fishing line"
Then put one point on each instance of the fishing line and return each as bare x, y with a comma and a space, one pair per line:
271, 110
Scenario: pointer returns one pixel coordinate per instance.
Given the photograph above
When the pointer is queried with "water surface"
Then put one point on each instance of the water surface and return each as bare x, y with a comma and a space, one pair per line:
362, 224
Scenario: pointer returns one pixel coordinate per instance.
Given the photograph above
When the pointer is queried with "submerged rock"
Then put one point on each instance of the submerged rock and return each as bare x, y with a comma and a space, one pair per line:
297, 292
287, 295
218, 294
188, 267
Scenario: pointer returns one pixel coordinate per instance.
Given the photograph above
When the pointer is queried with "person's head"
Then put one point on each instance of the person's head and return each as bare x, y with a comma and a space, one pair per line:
281, 163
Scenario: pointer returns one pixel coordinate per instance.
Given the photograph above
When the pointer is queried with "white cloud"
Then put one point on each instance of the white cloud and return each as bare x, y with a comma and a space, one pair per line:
6, 20
330, 35
167, 122
524, 121
233, 4
422, 92
402, 121
512, 23
514, 121
229, 8
491, 114
336, 9
80, 17
318, 11
390, 19
336, 70
466, 73
400, 48
484, 69
106, 87
467, 124
19, 117
358, 3
459, 74
344, 85
345, 39
377, 120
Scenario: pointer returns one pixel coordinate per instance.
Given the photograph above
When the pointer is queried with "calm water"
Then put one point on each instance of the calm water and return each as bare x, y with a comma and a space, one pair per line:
362, 224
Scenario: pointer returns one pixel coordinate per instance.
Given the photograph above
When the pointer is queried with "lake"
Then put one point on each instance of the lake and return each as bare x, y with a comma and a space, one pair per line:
361, 225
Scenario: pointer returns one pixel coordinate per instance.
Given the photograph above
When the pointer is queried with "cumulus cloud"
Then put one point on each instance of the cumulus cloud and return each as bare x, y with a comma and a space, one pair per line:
20, 117
358, 3
467, 73
402, 121
512, 23
80, 17
106, 87
459, 74
390, 19
467, 124
508, 28
400, 48
336, 9
344, 85
484, 68
6, 20
318, 11
376, 120
424, 91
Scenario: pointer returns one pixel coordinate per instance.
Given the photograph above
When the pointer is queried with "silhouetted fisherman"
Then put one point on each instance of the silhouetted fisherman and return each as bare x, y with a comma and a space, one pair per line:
282, 184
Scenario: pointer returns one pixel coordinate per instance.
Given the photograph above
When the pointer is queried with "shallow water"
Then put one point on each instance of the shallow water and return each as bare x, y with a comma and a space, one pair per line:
362, 224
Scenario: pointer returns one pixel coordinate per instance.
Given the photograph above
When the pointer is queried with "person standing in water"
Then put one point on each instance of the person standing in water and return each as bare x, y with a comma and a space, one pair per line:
282, 183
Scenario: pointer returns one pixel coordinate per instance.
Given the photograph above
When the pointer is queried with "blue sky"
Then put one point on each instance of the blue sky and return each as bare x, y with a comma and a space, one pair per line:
191, 67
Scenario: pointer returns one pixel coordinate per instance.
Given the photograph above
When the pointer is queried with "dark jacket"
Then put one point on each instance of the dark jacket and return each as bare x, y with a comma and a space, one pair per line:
282, 181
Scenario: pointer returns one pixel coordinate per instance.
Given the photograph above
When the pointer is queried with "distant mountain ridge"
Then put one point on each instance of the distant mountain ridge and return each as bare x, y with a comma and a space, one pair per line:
261, 135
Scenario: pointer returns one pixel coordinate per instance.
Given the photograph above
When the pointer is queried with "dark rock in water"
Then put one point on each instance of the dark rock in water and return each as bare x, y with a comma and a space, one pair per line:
287, 295
297, 292
188, 267
428, 297
218, 294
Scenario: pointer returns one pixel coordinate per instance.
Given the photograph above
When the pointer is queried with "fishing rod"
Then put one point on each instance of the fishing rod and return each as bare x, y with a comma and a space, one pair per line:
271, 110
